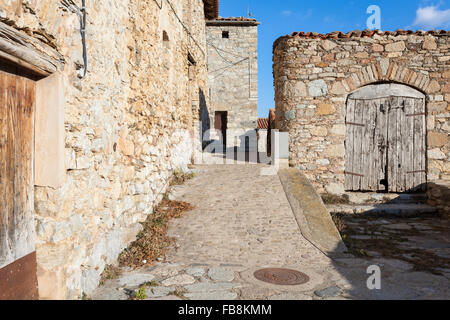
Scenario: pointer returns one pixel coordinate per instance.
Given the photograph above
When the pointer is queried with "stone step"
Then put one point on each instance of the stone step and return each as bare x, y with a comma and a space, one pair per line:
394, 209
410, 198
387, 198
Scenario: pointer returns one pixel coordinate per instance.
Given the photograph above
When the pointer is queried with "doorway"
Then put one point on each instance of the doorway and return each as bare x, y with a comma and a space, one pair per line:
220, 124
385, 139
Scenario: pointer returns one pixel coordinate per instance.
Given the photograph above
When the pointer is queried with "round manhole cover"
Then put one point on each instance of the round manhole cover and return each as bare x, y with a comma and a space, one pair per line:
284, 277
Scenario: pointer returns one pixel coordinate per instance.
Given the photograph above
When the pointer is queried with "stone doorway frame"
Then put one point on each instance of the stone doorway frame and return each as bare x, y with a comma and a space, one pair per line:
384, 71
45, 64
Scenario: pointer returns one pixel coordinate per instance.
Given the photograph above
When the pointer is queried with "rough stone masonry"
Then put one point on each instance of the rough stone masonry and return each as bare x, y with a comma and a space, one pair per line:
128, 124
233, 77
314, 74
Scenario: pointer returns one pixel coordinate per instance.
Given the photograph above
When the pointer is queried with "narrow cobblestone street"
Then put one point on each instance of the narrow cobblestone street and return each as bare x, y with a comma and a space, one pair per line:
243, 222
238, 222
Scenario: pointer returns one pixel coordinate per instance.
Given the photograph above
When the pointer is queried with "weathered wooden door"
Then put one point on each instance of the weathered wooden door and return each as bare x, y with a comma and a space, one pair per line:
17, 242
385, 142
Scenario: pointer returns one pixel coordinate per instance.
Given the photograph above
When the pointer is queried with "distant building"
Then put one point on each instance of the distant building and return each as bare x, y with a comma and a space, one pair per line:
232, 45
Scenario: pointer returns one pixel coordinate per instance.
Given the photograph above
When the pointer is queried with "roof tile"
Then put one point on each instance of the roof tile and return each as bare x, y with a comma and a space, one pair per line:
235, 19
263, 123
364, 33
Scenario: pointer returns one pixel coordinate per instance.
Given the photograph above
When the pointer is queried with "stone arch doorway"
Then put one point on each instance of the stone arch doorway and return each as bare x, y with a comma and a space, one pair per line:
385, 139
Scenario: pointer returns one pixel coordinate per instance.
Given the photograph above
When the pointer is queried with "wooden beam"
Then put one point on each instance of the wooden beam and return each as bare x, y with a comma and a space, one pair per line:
21, 63
28, 52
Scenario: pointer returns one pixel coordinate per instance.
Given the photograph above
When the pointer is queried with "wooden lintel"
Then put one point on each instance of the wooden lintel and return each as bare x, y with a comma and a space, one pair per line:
24, 64
26, 51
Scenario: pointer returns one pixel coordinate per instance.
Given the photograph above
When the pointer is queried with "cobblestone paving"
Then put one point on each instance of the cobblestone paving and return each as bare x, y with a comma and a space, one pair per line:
241, 217
242, 222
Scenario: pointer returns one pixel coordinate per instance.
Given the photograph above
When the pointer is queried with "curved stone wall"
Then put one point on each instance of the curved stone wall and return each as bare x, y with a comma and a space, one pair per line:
314, 75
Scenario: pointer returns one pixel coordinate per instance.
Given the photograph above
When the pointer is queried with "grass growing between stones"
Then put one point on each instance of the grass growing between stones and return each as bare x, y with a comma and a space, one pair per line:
109, 273
394, 243
179, 177
152, 242
150, 284
141, 294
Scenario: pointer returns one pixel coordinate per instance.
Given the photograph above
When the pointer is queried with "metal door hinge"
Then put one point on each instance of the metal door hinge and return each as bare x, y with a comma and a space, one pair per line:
355, 124
417, 171
416, 114
353, 174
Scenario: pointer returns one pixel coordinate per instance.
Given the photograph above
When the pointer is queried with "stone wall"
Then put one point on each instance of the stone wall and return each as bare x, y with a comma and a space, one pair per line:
438, 194
129, 123
314, 74
233, 75
262, 140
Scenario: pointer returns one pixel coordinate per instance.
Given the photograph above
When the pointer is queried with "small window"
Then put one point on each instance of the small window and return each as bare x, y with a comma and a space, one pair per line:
165, 36
191, 59
225, 34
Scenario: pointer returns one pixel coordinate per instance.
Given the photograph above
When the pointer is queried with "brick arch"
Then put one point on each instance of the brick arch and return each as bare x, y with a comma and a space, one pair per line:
386, 71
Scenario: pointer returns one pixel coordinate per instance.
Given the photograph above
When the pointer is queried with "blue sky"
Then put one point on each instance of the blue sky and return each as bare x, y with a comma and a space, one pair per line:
281, 17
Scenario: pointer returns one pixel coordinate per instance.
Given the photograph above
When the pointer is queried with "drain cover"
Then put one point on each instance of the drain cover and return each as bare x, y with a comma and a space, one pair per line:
284, 277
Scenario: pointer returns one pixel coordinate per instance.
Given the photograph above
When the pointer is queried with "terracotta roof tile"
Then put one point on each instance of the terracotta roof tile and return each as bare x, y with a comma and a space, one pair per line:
359, 34
364, 33
232, 20
235, 19
263, 123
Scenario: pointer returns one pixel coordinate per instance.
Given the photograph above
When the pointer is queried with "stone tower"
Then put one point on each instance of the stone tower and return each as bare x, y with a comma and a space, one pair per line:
232, 45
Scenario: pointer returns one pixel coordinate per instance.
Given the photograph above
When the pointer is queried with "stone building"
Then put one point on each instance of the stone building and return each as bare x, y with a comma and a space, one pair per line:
103, 146
232, 45
366, 111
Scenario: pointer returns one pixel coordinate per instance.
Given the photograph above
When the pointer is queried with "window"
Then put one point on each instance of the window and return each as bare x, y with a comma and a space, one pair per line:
225, 34
165, 36
191, 59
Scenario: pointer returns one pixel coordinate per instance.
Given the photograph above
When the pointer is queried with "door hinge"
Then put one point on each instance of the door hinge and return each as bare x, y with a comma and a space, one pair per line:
355, 124
416, 114
353, 174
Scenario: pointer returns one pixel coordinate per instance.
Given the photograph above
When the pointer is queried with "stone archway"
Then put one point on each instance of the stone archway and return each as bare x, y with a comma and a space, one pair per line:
385, 139
385, 70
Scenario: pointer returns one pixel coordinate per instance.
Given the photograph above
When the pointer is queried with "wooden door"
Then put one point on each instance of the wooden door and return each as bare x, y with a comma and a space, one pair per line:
407, 145
366, 145
17, 241
385, 144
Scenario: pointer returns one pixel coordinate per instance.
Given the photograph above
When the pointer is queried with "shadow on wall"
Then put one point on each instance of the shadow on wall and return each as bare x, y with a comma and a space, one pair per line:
247, 151
205, 121
438, 193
